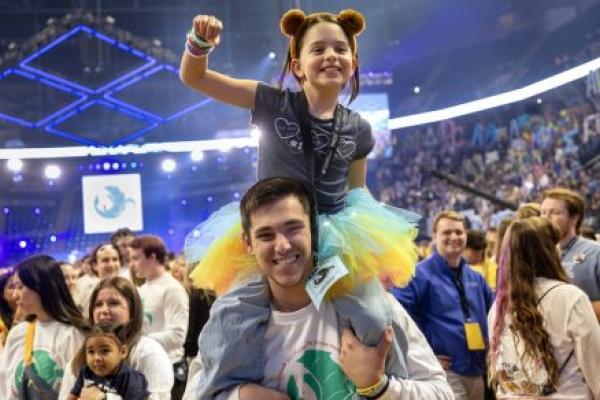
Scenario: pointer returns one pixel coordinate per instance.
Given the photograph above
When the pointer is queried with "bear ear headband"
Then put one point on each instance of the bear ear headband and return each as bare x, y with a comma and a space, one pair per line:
350, 19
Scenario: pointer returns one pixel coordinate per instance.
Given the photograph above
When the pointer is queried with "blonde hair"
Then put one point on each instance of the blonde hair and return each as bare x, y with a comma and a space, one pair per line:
452, 215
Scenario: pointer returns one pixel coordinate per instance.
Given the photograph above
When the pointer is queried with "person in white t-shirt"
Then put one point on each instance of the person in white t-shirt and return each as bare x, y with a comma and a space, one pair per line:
308, 353
545, 339
116, 301
54, 322
165, 301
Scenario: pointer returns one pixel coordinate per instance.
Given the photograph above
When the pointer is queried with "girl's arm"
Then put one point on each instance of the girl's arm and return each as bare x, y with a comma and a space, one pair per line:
357, 174
194, 71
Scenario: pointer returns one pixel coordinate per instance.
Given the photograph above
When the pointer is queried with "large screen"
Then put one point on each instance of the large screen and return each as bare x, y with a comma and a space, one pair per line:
111, 202
374, 107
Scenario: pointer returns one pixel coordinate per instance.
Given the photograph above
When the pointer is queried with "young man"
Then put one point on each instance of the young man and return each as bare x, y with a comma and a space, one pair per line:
579, 256
165, 301
306, 352
450, 302
121, 239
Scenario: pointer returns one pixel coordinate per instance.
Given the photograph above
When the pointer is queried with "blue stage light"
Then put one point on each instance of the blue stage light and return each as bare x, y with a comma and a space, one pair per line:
37, 211
113, 94
22, 244
115, 166
106, 166
84, 30
6, 210
78, 98
53, 127
53, 238
133, 165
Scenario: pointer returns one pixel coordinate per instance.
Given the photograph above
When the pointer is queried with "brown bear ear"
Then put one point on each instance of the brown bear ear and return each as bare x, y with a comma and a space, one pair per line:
291, 21
352, 20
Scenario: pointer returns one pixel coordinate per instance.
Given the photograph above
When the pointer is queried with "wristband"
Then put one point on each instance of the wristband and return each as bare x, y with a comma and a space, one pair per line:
197, 40
376, 390
196, 52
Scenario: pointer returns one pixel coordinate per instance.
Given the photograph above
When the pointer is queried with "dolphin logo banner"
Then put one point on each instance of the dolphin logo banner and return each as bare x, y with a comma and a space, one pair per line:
111, 202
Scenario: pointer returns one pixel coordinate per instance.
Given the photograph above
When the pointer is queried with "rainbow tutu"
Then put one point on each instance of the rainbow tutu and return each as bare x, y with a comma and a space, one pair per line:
371, 238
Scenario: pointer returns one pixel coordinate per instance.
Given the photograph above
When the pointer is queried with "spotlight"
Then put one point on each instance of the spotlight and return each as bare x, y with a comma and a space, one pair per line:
255, 133
169, 165
22, 244
416, 90
6, 210
115, 166
539, 101
14, 165
197, 155
53, 238
52, 171
37, 211
272, 55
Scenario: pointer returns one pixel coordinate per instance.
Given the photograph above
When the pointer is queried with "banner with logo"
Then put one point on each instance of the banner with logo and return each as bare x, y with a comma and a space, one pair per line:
111, 202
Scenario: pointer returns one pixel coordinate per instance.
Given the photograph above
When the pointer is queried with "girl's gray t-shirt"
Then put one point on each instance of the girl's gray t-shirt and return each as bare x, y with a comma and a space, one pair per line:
277, 115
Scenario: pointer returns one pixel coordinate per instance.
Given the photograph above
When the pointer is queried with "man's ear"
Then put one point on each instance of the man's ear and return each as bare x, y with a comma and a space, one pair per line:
248, 243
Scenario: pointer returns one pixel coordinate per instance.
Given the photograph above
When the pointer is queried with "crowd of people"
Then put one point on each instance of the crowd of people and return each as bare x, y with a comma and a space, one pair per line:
315, 288
513, 156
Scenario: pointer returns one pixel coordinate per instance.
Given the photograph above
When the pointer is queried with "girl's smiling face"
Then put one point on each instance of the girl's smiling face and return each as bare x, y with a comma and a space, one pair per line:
325, 60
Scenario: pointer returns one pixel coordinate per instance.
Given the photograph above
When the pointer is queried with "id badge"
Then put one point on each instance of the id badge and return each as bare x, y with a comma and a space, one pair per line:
475, 340
323, 277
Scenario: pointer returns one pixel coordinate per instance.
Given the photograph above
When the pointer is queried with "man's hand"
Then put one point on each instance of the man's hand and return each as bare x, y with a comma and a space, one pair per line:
91, 393
364, 365
445, 361
252, 391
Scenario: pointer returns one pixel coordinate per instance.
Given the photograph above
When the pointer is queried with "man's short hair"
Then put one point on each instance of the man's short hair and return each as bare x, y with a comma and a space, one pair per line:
151, 244
476, 240
452, 215
119, 233
573, 201
269, 190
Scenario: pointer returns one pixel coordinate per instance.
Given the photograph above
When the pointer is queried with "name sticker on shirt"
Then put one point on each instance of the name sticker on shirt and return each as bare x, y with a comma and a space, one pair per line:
323, 277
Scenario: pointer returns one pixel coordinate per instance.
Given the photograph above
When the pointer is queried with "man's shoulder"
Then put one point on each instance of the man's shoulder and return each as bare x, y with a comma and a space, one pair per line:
588, 245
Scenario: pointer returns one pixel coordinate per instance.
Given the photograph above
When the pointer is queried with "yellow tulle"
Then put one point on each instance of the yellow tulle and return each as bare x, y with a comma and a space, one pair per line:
228, 261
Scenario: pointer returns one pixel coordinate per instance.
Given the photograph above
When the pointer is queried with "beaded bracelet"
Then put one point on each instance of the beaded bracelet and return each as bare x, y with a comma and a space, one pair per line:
197, 52
198, 40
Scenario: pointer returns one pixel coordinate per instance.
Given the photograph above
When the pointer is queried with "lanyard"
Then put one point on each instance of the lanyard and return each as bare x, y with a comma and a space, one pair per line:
335, 138
464, 304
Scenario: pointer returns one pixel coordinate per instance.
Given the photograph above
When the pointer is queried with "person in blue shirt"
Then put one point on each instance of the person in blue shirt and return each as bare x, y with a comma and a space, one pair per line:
449, 301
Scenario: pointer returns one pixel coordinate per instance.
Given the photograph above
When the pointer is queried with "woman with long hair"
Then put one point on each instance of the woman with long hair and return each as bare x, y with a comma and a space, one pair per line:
116, 301
54, 329
545, 339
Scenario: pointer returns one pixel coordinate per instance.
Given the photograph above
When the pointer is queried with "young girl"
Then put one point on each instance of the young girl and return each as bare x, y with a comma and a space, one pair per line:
101, 368
307, 136
545, 339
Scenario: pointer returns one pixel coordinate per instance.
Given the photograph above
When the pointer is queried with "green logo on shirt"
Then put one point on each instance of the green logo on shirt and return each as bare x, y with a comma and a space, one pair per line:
44, 366
324, 376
